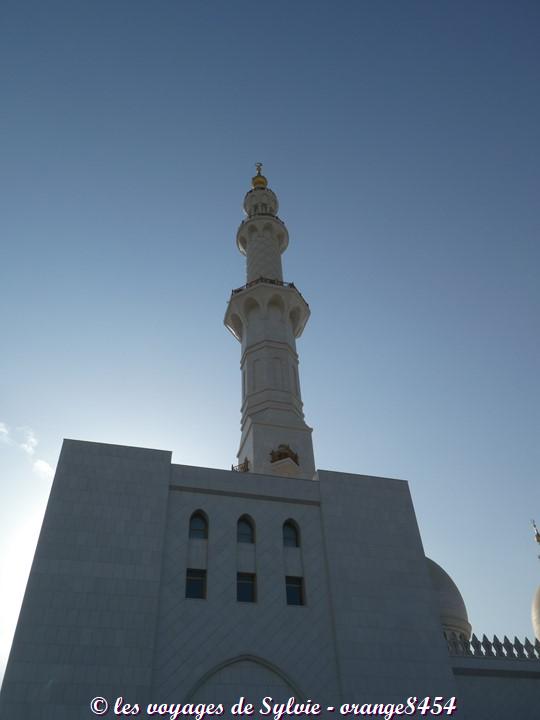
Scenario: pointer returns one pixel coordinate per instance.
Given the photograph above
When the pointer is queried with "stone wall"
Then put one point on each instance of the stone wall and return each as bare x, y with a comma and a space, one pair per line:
87, 623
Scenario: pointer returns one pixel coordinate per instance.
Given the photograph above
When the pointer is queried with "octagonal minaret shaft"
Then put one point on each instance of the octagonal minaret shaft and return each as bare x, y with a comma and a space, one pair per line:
267, 315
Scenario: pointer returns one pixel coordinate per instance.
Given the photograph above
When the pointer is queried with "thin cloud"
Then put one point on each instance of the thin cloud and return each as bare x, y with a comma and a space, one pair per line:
4, 434
27, 441
43, 469
24, 438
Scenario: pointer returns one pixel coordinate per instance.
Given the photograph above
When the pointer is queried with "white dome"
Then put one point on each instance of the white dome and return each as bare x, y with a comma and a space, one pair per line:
535, 613
452, 610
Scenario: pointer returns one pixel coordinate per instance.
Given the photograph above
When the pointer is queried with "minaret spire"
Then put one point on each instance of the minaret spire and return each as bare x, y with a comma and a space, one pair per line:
267, 315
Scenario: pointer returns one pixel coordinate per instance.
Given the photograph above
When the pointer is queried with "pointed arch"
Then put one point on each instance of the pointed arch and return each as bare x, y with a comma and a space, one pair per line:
291, 533
250, 306
276, 307
245, 529
295, 689
294, 317
198, 525
236, 326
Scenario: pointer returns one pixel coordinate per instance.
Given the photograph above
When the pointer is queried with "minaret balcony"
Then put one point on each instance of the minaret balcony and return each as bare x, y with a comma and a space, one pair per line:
261, 223
263, 297
269, 281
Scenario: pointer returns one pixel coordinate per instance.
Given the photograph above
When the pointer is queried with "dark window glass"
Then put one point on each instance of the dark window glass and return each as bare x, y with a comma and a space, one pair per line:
198, 526
246, 590
195, 583
291, 536
244, 531
295, 590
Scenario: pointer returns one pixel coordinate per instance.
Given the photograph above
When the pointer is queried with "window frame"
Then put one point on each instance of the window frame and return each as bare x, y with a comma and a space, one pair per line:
291, 525
194, 575
295, 582
243, 538
198, 533
244, 580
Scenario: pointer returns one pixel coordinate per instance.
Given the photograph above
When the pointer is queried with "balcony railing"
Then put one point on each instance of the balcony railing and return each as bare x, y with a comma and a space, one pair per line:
268, 281
250, 217
243, 467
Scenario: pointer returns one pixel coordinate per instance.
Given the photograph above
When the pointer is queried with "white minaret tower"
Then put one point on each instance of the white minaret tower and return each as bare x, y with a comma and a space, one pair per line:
267, 315
535, 609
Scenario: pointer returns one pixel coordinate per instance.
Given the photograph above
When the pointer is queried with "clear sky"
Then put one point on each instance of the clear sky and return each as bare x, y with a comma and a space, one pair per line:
402, 139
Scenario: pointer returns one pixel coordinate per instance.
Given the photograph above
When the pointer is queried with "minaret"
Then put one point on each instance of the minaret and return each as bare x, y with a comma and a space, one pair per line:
267, 315
535, 609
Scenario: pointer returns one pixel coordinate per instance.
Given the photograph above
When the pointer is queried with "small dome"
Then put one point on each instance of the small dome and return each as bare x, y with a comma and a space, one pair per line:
535, 613
259, 181
452, 610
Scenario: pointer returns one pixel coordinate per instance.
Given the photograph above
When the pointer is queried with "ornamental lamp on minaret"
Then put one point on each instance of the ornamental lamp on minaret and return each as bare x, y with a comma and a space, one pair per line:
267, 315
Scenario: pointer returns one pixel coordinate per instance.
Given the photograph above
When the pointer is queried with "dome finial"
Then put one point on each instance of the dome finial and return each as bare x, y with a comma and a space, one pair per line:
259, 181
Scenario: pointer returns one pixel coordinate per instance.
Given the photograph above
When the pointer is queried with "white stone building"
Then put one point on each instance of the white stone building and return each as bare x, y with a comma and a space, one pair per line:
167, 583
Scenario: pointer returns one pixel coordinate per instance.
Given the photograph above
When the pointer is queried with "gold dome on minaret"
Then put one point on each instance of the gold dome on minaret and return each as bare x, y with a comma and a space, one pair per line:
259, 181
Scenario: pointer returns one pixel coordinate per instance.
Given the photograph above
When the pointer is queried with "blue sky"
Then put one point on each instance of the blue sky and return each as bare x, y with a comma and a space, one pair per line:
402, 139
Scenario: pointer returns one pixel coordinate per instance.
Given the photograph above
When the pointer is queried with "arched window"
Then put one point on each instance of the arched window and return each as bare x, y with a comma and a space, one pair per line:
291, 534
245, 530
198, 526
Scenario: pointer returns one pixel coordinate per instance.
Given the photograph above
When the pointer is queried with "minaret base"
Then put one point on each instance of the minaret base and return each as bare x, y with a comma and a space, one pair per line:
278, 450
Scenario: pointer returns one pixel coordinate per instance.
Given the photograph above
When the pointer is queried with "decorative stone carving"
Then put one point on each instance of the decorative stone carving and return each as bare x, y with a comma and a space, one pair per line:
283, 451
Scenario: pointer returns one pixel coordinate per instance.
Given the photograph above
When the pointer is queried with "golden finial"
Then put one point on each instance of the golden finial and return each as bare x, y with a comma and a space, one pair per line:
259, 181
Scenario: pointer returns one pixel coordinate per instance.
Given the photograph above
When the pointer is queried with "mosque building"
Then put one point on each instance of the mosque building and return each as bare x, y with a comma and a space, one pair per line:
166, 583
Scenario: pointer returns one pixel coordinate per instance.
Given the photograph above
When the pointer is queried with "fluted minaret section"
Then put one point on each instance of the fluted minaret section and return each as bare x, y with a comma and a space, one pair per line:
262, 236
267, 315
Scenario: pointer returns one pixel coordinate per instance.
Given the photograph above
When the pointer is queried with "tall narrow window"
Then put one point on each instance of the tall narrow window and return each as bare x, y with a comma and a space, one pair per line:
195, 583
198, 526
294, 587
291, 535
245, 530
246, 587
